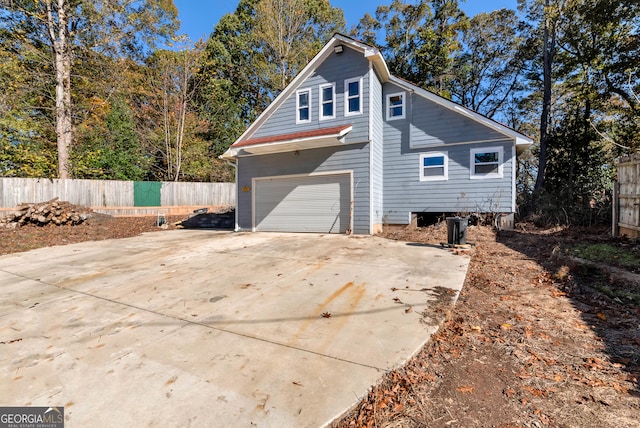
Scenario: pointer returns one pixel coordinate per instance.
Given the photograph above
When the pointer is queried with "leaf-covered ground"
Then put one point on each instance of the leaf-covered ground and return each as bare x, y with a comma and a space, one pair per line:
97, 228
535, 339
532, 342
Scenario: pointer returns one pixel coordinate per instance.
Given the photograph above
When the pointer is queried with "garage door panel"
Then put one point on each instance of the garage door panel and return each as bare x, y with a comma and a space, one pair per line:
303, 204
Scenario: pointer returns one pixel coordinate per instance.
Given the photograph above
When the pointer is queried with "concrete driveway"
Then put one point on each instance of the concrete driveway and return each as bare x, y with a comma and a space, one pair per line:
203, 328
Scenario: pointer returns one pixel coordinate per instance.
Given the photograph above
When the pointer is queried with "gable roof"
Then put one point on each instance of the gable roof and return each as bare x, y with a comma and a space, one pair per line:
375, 56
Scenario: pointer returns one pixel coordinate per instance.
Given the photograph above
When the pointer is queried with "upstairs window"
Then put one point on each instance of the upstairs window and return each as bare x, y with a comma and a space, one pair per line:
303, 106
434, 166
396, 106
353, 96
327, 101
486, 162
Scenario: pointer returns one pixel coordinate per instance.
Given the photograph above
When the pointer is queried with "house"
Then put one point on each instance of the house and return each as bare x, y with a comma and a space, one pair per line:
347, 147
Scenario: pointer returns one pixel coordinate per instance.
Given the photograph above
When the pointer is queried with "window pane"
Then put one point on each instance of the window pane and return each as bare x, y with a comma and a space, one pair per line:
396, 111
303, 99
486, 157
395, 100
354, 104
354, 89
433, 172
487, 168
327, 109
433, 161
304, 114
327, 94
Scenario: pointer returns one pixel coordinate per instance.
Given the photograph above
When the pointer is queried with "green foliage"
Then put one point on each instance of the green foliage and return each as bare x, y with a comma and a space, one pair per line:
62, 49
594, 114
608, 254
110, 148
420, 40
246, 63
29, 158
489, 68
288, 33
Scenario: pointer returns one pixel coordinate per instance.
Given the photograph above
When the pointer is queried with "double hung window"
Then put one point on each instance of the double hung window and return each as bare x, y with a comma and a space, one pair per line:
327, 101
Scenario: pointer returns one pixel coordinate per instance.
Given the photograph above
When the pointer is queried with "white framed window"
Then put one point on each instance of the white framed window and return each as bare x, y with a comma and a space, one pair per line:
396, 106
353, 96
327, 101
486, 162
434, 166
303, 106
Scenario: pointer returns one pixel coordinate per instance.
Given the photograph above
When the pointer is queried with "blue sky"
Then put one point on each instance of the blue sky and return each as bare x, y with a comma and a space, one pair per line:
198, 17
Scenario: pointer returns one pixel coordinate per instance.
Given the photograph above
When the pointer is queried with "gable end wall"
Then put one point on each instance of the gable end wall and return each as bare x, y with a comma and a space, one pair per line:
335, 69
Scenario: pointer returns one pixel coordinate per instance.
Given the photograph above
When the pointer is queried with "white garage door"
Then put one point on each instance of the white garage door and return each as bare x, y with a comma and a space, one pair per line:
319, 203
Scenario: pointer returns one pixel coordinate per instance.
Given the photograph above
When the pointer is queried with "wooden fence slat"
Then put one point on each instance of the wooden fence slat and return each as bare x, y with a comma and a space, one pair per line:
626, 207
111, 194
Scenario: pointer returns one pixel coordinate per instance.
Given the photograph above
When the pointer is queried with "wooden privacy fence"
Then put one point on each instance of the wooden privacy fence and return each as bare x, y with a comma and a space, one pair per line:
626, 197
120, 198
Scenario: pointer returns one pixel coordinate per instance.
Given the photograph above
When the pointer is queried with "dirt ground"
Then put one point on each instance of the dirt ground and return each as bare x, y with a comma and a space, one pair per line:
535, 339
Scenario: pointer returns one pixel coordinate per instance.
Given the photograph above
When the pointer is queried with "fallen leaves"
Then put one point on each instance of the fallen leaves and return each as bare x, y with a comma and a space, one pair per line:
465, 389
535, 391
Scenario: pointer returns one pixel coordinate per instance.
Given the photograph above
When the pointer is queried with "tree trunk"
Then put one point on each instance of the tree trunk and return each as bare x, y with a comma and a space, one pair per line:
62, 63
549, 51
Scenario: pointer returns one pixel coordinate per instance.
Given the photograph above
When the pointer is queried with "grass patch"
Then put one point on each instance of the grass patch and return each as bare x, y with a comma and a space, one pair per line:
607, 253
623, 295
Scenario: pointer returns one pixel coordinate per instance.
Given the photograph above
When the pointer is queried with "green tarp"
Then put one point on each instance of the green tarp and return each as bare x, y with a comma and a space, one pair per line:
146, 193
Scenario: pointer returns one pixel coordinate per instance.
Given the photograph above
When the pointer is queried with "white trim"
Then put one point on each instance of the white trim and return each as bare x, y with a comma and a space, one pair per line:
346, 97
370, 74
472, 154
514, 173
298, 93
312, 174
445, 166
403, 106
321, 101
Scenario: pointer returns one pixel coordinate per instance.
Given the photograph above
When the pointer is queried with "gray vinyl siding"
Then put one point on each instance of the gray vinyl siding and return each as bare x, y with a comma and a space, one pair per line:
353, 158
440, 130
377, 154
335, 69
433, 124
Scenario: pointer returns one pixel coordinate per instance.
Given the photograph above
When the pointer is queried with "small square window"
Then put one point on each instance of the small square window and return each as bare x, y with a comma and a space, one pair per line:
327, 101
434, 166
353, 96
396, 106
486, 163
303, 106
